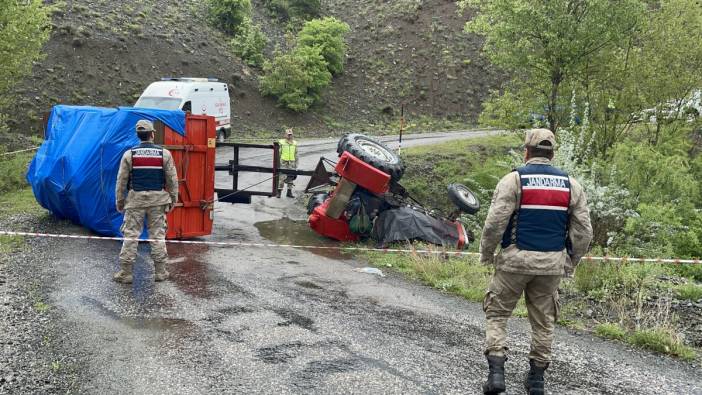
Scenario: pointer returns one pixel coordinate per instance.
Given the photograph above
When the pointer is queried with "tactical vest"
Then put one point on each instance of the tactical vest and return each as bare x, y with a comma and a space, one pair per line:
147, 168
288, 151
541, 220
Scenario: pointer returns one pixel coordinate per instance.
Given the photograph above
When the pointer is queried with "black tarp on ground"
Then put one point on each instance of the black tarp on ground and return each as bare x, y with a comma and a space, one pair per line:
406, 224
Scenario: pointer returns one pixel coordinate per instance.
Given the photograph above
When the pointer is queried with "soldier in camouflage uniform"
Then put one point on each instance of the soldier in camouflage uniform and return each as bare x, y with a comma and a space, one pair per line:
147, 187
540, 219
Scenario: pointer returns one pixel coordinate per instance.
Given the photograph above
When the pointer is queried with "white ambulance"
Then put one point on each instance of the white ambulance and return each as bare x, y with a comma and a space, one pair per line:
198, 96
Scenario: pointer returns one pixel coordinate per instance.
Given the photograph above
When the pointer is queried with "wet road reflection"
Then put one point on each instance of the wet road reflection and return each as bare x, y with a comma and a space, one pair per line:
189, 269
288, 231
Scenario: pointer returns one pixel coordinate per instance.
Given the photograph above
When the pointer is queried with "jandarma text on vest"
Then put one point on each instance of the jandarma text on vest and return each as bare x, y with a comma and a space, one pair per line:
538, 180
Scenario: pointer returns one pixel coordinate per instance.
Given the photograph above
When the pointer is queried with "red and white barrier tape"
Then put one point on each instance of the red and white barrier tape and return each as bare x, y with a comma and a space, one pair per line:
336, 248
238, 244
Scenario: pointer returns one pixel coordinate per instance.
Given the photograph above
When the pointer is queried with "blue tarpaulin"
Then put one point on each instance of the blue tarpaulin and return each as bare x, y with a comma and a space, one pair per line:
74, 172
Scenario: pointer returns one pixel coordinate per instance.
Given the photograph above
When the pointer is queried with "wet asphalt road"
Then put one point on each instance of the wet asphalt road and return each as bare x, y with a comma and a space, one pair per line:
252, 320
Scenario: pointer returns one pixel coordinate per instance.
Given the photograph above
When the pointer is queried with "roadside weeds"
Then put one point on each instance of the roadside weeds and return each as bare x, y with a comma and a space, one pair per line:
628, 312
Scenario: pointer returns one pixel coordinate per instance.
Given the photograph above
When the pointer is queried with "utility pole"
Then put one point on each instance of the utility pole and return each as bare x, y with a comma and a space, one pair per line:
402, 127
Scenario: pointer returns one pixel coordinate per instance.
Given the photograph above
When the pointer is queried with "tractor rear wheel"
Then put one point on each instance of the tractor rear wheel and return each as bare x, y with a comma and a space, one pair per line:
373, 153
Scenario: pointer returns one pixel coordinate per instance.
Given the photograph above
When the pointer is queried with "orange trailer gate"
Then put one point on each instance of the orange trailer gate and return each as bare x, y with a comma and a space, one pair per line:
194, 157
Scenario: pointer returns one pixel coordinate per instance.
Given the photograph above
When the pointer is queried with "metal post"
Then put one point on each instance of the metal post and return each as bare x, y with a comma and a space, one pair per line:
402, 127
235, 178
276, 166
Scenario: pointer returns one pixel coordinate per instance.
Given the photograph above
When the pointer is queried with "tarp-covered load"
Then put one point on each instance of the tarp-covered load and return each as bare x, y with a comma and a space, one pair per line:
74, 172
405, 224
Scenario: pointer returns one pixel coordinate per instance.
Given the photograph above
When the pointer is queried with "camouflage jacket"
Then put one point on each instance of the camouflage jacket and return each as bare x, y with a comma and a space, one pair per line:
505, 202
135, 199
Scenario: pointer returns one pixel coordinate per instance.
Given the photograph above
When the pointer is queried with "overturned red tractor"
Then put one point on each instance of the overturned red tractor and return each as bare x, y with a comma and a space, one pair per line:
363, 198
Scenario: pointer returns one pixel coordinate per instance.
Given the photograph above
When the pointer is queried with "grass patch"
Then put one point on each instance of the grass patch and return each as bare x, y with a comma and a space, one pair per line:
41, 307
610, 331
19, 201
688, 291
572, 324
663, 341
600, 278
461, 276
9, 244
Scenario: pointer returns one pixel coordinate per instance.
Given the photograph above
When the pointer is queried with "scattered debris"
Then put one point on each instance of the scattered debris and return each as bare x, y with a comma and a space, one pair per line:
371, 270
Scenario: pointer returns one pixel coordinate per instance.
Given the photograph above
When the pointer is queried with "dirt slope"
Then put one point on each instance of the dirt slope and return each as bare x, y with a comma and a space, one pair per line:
104, 53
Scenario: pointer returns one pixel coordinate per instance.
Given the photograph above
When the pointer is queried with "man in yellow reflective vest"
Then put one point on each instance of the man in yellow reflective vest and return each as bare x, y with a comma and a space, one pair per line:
288, 160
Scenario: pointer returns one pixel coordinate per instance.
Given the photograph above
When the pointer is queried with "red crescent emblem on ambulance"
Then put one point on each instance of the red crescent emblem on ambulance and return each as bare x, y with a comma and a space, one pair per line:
173, 92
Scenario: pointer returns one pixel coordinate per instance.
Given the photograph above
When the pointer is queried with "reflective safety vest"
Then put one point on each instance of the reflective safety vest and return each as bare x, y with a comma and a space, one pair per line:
147, 168
288, 151
541, 220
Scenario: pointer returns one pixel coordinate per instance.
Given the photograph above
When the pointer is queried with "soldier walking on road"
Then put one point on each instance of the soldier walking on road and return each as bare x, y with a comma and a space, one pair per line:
288, 160
539, 216
148, 178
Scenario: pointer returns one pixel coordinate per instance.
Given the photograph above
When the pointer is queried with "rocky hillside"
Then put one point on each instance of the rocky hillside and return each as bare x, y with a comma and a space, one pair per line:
104, 53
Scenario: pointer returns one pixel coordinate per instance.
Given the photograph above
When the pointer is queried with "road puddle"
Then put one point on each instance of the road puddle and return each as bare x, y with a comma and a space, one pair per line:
288, 231
141, 320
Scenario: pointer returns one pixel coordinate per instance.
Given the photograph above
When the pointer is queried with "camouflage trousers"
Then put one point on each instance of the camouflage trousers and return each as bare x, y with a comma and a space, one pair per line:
287, 179
134, 224
541, 296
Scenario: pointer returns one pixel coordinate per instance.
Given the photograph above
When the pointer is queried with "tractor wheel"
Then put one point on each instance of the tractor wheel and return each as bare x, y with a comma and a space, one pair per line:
463, 198
316, 200
373, 153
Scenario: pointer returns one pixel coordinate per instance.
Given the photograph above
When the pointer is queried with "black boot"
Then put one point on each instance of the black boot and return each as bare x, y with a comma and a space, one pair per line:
534, 382
290, 194
495, 383
280, 192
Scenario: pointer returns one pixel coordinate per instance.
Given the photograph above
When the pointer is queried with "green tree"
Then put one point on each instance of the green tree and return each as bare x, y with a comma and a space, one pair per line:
328, 35
24, 28
229, 15
546, 45
249, 43
651, 76
296, 78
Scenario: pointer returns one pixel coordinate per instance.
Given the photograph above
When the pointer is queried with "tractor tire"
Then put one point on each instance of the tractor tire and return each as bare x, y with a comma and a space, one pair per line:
316, 200
372, 152
463, 198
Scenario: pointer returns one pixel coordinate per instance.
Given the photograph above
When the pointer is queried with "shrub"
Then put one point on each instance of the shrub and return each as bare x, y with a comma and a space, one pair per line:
229, 15
289, 9
662, 230
693, 271
296, 78
328, 35
13, 169
249, 43
24, 28
663, 341
595, 276
688, 292
603, 278
610, 331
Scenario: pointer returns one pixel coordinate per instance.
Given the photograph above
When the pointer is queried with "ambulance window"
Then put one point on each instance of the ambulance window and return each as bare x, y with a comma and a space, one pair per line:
188, 107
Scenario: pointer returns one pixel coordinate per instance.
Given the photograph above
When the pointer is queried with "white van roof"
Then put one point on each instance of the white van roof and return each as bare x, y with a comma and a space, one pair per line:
183, 87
